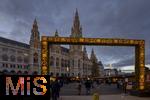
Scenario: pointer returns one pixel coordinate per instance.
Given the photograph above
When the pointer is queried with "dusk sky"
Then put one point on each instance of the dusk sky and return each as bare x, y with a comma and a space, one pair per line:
129, 19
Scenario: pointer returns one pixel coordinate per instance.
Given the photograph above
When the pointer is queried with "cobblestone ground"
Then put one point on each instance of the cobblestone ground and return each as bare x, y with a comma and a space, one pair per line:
104, 97
106, 92
102, 89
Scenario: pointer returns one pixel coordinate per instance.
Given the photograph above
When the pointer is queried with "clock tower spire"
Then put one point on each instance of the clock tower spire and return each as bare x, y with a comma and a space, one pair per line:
76, 32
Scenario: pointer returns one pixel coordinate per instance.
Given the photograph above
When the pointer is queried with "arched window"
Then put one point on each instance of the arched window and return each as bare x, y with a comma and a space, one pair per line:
5, 72
35, 58
66, 63
12, 58
35, 73
62, 62
14, 65
51, 61
72, 63
25, 72
5, 57
19, 72
11, 66
19, 59
57, 62
12, 72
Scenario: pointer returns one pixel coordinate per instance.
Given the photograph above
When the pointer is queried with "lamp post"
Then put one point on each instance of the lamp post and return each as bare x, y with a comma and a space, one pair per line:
67, 71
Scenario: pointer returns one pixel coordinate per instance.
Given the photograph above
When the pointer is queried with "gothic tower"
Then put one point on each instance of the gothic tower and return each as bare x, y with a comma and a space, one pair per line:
56, 47
35, 36
95, 70
76, 32
93, 56
35, 49
56, 34
85, 55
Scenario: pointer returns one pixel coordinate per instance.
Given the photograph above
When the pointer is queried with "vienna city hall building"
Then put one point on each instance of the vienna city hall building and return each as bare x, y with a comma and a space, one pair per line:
20, 58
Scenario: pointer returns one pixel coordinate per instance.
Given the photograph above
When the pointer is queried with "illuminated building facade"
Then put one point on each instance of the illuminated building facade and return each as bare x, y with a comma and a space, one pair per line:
21, 58
18, 58
72, 61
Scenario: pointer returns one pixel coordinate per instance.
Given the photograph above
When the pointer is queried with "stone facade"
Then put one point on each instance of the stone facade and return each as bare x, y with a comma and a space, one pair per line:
21, 58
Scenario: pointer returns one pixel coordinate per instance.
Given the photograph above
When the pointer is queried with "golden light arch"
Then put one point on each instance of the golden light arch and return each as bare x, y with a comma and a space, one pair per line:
138, 44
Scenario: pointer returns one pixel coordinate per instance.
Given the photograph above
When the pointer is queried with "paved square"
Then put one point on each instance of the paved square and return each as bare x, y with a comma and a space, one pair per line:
105, 97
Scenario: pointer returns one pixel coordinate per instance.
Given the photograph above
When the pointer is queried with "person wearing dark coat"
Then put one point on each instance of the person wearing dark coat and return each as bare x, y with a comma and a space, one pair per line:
55, 87
79, 88
88, 86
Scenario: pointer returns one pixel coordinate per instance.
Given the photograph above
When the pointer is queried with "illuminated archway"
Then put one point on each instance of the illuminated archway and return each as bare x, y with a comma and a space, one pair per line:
138, 44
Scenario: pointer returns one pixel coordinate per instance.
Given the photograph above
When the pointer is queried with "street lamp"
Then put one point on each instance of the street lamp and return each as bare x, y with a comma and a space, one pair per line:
68, 71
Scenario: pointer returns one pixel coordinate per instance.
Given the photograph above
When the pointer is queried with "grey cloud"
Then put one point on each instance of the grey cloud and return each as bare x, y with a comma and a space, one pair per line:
99, 18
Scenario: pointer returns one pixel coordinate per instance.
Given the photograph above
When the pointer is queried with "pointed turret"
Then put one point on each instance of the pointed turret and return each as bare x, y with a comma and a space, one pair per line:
35, 48
93, 57
92, 52
56, 33
35, 24
35, 27
84, 49
76, 20
85, 55
35, 35
76, 30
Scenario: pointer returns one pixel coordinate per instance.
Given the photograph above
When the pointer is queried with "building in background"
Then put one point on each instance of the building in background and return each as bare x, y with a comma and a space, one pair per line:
110, 72
72, 61
21, 58
102, 71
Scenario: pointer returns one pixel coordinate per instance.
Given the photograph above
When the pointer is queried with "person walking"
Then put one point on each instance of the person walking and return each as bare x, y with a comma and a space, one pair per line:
58, 88
118, 83
51, 81
79, 88
125, 87
88, 87
55, 87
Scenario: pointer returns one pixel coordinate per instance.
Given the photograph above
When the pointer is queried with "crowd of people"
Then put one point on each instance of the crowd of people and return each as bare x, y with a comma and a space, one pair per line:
56, 85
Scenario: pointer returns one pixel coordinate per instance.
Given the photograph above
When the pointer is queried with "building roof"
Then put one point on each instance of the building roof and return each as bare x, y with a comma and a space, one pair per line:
5, 40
